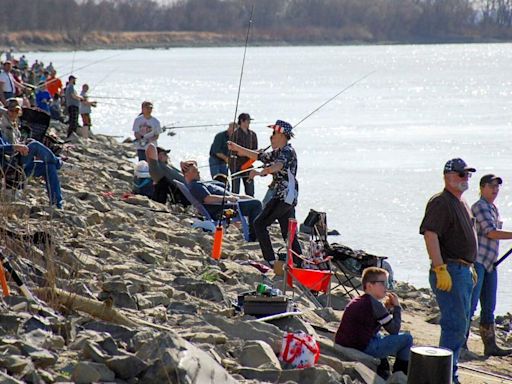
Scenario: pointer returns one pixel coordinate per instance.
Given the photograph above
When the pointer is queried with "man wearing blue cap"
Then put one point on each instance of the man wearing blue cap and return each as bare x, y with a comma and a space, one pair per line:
281, 162
450, 237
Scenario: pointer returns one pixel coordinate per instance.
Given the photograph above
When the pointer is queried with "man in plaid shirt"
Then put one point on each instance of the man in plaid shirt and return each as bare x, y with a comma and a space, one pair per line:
488, 226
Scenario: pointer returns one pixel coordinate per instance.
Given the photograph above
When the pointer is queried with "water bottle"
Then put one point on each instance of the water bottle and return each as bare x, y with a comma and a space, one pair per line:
275, 292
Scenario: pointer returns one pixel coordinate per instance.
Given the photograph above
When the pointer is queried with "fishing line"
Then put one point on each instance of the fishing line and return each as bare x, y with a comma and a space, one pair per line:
335, 96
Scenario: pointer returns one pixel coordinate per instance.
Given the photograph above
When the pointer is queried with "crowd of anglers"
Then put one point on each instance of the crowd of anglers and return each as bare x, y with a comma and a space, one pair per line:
462, 242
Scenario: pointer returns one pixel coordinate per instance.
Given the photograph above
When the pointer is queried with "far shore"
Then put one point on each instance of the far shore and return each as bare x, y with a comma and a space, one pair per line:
52, 41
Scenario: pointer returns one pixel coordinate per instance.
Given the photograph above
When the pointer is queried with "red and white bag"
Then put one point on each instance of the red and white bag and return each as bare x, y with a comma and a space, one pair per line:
299, 350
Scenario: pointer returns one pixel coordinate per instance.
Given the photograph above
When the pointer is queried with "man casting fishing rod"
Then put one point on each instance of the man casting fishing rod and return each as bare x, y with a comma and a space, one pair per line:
281, 162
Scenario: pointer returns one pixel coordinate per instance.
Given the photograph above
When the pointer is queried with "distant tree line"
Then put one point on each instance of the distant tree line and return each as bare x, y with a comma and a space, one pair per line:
313, 20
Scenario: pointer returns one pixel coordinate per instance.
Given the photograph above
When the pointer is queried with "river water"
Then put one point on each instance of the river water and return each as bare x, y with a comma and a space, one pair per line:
371, 158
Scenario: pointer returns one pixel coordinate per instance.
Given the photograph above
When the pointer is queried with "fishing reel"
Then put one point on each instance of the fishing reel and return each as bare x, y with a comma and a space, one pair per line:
228, 215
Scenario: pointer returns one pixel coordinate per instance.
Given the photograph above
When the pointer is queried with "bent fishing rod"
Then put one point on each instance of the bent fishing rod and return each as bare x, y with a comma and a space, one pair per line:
246, 166
219, 231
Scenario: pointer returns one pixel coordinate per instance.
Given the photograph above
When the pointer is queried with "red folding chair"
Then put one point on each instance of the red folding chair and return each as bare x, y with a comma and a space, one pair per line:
306, 280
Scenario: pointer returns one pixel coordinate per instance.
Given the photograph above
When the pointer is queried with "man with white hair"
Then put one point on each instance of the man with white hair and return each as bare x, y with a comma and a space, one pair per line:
449, 231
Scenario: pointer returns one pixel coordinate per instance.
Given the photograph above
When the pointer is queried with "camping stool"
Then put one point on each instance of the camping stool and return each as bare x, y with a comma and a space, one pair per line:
430, 365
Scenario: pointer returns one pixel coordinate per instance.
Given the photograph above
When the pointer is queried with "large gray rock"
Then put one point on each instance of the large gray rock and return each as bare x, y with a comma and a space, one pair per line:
201, 289
6, 379
258, 354
173, 359
127, 366
328, 347
363, 373
397, 378
247, 331
86, 372
314, 375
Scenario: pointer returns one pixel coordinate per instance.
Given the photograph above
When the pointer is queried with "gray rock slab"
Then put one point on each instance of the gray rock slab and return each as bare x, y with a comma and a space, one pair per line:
116, 331
6, 379
363, 373
172, 358
247, 331
328, 347
314, 375
86, 372
127, 366
257, 353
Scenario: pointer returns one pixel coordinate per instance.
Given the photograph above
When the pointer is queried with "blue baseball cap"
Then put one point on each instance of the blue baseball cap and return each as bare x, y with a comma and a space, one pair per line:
457, 165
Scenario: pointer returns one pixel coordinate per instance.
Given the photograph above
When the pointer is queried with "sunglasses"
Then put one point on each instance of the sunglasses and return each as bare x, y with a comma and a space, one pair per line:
383, 282
464, 174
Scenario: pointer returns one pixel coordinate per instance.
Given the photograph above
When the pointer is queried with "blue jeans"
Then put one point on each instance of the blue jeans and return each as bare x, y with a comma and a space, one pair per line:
46, 166
217, 166
248, 185
485, 290
396, 345
141, 154
454, 306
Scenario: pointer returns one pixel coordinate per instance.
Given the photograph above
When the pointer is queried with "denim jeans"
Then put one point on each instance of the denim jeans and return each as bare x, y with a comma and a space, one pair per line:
248, 185
274, 210
485, 290
217, 166
250, 208
455, 306
391, 345
46, 166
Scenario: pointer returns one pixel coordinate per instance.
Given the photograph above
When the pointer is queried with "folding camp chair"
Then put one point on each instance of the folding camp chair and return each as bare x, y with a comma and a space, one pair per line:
349, 266
37, 122
306, 280
208, 222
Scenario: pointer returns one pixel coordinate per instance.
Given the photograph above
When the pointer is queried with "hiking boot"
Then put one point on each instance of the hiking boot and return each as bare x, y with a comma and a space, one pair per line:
401, 365
383, 369
488, 335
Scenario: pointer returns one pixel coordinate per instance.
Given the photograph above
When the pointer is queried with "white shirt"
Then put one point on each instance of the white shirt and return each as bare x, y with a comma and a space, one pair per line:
7, 82
148, 128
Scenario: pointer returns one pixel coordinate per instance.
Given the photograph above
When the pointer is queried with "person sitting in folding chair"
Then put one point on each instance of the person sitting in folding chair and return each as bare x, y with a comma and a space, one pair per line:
281, 162
47, 163
212, 194
365, 315
163, 174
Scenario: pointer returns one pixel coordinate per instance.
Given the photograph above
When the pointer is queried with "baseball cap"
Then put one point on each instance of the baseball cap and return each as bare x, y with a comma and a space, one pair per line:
244, 116
282, 126
71, 77
457, 165
488, 179
160, 149
147, 104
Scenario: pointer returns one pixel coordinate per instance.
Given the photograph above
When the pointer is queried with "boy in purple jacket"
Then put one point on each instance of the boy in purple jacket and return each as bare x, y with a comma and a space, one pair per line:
365, 315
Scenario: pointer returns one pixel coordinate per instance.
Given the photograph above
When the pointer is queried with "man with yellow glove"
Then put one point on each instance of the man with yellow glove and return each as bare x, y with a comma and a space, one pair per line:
450, 237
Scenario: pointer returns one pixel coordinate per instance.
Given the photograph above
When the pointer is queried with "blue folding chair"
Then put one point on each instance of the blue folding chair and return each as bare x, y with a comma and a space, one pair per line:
208, 222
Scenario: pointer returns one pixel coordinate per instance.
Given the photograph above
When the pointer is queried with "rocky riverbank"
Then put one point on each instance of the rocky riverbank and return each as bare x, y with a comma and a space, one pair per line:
128, 293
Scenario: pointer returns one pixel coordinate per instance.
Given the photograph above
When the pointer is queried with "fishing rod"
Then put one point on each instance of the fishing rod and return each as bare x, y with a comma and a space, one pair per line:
87, 65
250, 162
502, 258
219, 230
335, 96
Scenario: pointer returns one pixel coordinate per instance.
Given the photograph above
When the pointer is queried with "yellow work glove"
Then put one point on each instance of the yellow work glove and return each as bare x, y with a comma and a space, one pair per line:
444, 280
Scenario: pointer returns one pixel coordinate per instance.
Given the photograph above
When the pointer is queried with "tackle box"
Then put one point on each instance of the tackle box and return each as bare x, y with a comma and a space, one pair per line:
259, 306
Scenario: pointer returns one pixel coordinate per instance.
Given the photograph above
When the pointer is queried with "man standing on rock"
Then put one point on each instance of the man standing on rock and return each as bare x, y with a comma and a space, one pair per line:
246, 138
73, 103
450, 237
488, 227
146, 129
219, 155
